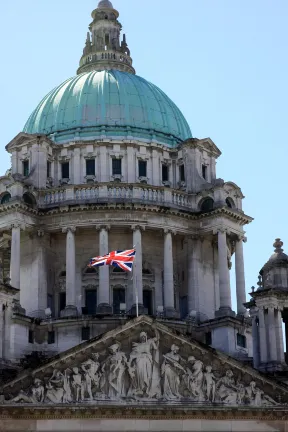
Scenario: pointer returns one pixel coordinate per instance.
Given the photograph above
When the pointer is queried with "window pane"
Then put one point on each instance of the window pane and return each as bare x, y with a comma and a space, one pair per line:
65, 170
90, 301
182, 173
25, 168
165, 176
90, 167
116, 166
204, 171
147, 301
48, 169
142, 169
118, 298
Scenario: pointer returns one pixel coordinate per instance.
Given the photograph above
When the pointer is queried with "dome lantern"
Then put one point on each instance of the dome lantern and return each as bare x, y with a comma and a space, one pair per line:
103, 49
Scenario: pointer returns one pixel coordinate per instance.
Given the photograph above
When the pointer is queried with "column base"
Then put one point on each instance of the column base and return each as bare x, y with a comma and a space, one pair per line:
69, 311
170, 312
272, 366
224, 312
141, 310
104, 309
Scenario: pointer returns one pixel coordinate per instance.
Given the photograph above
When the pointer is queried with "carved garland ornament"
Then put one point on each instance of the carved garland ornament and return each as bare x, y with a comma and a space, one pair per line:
145, 373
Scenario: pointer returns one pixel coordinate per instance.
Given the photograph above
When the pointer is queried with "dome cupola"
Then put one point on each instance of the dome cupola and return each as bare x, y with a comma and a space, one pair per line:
106, 99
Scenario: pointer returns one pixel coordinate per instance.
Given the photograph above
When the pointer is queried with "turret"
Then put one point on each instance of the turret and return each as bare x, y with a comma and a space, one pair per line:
269, 305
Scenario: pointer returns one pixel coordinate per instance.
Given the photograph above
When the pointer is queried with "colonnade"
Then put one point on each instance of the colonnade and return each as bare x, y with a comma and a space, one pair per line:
104, 302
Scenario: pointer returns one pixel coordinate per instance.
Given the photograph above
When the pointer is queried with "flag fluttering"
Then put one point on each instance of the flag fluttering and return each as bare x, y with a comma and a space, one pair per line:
121, 259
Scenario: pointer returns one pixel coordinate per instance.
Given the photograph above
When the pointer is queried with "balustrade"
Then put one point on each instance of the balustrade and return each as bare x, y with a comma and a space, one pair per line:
145, 194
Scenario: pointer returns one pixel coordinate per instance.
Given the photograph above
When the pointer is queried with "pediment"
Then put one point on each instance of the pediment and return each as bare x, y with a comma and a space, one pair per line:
140, 362
23, 139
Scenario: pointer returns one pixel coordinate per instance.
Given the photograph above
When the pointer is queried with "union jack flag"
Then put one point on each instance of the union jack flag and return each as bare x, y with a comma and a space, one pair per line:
121, 259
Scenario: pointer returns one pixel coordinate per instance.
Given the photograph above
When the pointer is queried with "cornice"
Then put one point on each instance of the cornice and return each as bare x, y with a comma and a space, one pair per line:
149, 412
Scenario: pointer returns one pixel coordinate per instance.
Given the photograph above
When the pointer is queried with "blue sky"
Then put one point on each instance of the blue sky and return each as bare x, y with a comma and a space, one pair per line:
223, 62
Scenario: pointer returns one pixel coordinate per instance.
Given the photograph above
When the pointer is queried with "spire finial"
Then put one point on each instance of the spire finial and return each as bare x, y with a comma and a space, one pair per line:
105, 4
278, 245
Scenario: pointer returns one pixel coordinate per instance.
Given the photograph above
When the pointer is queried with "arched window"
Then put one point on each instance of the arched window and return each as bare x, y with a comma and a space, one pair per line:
146, 271
5, 198
90, 270
207, 205
29, 199
230, 203
118, 270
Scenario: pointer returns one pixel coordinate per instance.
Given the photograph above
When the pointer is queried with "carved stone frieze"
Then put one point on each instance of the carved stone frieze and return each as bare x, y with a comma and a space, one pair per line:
143, 361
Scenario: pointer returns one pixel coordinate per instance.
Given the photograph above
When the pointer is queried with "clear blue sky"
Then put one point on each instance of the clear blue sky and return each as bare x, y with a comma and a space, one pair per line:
223, 62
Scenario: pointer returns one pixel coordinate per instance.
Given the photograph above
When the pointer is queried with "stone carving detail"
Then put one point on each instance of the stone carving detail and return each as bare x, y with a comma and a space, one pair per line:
147, 372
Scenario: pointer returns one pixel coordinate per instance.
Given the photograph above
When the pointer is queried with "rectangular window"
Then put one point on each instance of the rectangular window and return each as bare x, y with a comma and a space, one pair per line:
165, 173
65, 170
204, 172
90, 167
85, 333
90, 301
116, 166
208, 338
182, 173
142, 165
62, 301
51, 337
241, 340
48, 169
25, 165
31, 336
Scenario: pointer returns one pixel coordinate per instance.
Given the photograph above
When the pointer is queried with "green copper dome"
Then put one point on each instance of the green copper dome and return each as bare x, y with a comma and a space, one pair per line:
110, 104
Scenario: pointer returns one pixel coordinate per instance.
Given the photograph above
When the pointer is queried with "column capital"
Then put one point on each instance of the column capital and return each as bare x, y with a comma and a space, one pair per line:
67, 229
103, 227
221, 230
169, 231
241, 237
138, 228
18, 225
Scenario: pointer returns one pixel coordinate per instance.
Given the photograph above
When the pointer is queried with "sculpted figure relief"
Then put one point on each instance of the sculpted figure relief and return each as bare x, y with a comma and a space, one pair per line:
146, 372
171, 372
144, 367
113, 370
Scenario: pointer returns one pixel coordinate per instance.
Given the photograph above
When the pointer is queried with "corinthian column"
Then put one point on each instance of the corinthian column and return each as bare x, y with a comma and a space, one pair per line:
193, 276
15, 257
169, 303
15, 263
137, 273
240, 277
272, 335
262, 336
224, 277
255, 337
104, 306
71, 304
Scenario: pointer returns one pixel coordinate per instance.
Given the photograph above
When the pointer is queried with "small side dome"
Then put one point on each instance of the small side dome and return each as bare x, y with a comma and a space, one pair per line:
275, 272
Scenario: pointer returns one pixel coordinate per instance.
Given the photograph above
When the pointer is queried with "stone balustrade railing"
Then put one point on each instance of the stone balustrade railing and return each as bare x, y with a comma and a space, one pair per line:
114, 193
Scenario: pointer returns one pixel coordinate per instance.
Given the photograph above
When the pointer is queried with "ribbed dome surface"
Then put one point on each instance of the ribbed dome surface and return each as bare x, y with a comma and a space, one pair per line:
108, 103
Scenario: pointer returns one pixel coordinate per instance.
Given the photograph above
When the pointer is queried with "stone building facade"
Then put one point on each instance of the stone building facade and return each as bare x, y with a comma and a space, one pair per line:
107, 162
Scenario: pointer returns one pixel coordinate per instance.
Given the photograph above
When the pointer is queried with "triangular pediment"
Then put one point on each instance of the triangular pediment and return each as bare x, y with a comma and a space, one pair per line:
140, 362
24, 139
